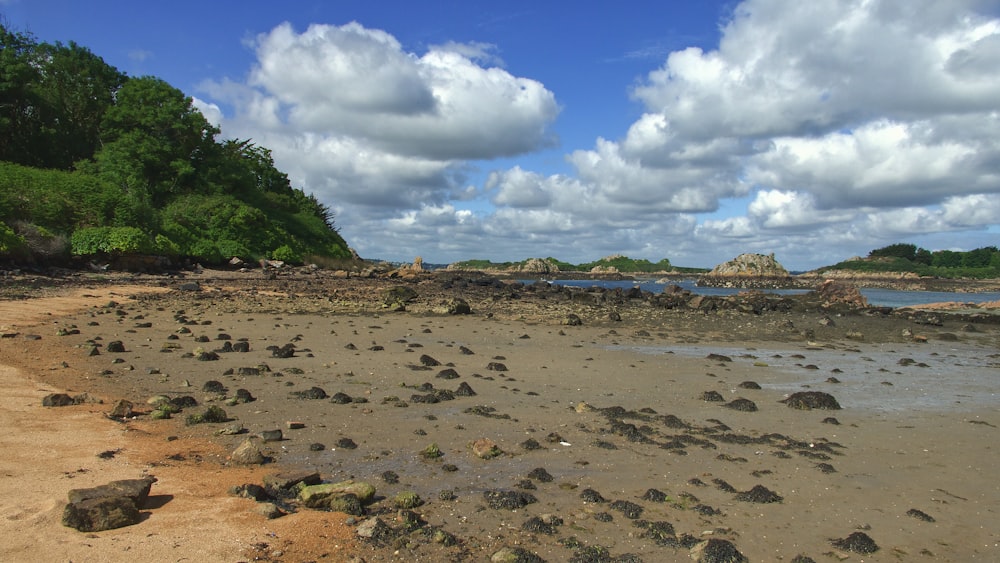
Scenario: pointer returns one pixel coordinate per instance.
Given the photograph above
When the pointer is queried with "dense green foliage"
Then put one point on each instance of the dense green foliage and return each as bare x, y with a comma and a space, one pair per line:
980, 263
113, 165
626, 264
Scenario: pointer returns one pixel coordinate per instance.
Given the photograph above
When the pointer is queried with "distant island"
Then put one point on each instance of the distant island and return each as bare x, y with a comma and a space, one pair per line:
898, 266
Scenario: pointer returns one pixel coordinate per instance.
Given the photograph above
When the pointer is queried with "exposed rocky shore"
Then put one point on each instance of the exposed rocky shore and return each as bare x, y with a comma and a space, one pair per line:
463, 417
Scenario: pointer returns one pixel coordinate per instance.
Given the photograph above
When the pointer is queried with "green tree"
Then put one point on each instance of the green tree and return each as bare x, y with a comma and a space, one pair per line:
947, 259
907, 251
19, 101
924, 256
76, 89
154, 141
978, 258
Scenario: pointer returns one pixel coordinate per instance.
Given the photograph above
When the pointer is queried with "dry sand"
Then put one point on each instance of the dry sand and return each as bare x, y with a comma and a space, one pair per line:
885, 457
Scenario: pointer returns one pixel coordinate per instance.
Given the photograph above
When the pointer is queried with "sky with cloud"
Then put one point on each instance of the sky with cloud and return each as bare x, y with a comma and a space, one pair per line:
815, 130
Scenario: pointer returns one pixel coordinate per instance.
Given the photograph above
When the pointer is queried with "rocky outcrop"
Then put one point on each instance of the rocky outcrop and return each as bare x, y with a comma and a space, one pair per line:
748, 271
758, 265
537, 266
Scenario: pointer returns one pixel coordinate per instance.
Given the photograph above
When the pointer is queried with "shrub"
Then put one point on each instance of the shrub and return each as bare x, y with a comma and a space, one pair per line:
206, 251
110, 240
286, 254
12, 245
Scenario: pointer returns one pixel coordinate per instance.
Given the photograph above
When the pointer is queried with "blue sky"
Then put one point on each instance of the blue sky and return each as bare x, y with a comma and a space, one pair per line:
693, 131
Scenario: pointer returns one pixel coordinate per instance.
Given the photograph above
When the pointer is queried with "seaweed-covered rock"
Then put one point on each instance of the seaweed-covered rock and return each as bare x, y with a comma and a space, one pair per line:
541, 475
631, 510
545, 524
717, 551
743, 405
759, 494
508, 500
654, 495
919, 515
807, 400
858, 542
712, 397
590, 495
330, 496
212, 414
311, 393
407, 500
374, 529
515, 555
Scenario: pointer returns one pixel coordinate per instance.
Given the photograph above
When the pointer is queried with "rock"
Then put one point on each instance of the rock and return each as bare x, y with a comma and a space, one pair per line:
374, 529
287, 480
134, 489
231, 429
122, 409
271, 435
110, 506
250, 452
458, 306
807, 400
717, 551
99, 514
484, 448
189, 286
756, 265
572, 319
57, 400
396, 298
115, 346
321, 496
515, 555
833, 293
269, 510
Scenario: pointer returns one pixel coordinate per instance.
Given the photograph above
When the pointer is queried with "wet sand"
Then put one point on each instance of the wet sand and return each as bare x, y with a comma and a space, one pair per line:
615, 407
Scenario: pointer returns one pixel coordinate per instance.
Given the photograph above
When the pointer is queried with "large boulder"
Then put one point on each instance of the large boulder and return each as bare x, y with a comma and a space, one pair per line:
838, 293
329, 494
110, 506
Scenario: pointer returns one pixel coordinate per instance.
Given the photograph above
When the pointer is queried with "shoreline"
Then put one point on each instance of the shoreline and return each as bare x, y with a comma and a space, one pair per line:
563, 380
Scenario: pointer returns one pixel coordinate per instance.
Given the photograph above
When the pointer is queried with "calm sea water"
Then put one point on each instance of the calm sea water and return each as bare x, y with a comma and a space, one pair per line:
876, 297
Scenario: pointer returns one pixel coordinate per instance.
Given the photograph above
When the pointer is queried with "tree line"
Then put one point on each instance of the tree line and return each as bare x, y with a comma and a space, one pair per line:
97, 163
979, 263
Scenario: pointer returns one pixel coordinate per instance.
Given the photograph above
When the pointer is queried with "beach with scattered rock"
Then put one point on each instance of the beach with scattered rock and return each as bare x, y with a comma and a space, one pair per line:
312, 416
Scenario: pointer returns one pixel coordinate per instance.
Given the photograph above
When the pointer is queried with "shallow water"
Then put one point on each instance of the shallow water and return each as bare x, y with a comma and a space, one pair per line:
950, 377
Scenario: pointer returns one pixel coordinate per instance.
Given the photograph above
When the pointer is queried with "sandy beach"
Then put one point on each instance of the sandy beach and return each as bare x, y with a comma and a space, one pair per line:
602, 445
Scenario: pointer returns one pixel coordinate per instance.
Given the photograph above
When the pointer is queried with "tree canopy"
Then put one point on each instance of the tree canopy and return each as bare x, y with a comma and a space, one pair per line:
114, 164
